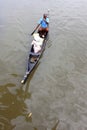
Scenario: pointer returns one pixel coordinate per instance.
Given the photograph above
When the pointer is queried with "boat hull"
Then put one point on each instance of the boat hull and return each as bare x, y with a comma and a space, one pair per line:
33, 59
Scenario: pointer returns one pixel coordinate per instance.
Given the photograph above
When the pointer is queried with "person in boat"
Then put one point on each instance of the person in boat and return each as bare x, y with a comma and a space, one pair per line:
43, 24
37, 43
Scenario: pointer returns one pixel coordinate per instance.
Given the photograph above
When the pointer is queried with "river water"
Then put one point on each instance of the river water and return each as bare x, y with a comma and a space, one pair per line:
56, 91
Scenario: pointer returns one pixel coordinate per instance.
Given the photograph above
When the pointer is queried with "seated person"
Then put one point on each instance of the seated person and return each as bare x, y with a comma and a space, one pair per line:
37, 43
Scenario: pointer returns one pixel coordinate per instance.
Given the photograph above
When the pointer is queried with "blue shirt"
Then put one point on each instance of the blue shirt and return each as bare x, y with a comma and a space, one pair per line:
43, 23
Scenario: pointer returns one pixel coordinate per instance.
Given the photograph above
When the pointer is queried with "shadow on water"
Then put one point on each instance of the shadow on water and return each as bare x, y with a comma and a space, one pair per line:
12, 104
13, 108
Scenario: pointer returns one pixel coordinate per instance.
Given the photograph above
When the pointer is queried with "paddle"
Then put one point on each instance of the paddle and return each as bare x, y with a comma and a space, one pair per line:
35, 29
33, 32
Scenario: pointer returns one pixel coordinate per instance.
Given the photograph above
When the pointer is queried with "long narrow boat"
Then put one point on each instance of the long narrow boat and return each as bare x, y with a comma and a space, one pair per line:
34, 56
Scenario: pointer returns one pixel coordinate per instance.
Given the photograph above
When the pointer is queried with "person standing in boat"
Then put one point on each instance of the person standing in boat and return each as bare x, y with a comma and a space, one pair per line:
43, 25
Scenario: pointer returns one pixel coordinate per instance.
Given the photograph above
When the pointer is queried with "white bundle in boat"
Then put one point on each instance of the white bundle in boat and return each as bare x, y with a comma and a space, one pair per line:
37, 42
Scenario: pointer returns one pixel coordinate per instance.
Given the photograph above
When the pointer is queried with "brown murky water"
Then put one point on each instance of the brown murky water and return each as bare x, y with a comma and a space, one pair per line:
56, 91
